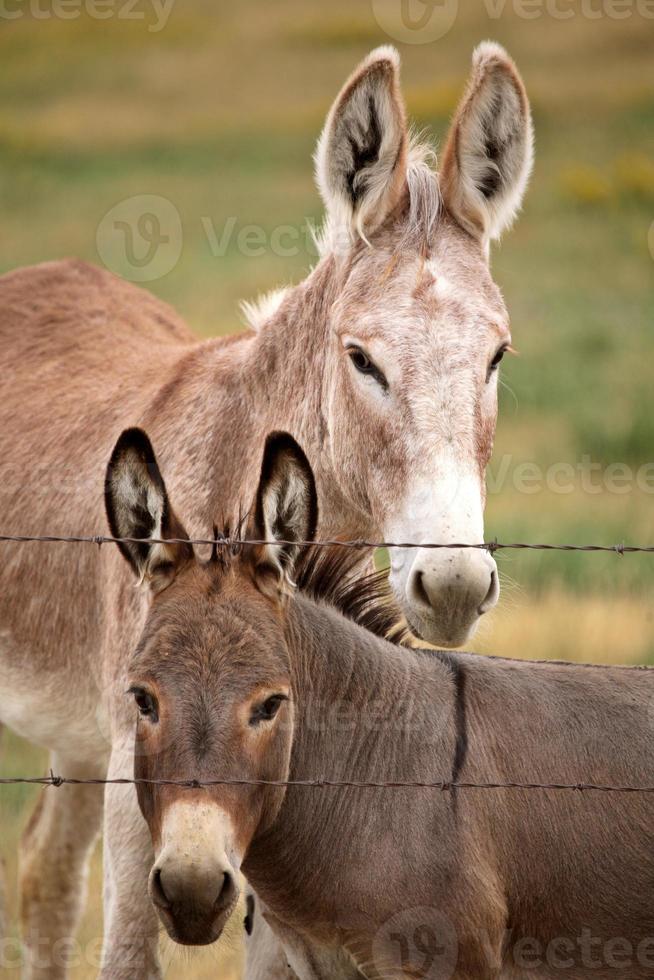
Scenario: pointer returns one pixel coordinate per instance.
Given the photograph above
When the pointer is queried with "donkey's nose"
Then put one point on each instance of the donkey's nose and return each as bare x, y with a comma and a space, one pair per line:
446, 593
169, 888
193, 902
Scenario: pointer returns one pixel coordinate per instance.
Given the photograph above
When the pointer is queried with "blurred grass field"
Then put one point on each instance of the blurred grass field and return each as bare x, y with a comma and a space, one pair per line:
219, 112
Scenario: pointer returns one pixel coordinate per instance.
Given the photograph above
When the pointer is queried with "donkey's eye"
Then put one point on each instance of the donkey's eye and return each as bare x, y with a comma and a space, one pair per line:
267, 710
364, 365
497, 360
145, 702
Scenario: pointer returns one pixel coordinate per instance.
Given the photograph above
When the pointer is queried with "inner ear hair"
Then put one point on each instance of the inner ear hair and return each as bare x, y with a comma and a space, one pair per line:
137, 506
361, 158
489, 152
286, 507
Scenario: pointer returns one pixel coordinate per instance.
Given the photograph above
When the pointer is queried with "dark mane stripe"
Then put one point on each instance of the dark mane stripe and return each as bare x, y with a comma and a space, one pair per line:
330, 575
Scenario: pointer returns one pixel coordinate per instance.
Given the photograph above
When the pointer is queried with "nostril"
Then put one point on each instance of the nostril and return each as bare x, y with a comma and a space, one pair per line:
227, 891
158, 892
491, 595
419, 590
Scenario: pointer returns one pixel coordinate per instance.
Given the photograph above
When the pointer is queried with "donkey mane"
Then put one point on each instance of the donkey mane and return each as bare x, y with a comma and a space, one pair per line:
329, 575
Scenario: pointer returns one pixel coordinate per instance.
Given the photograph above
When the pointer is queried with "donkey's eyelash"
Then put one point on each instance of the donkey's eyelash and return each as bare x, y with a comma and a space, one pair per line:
365, 365
145, 702
497, 359
268, 709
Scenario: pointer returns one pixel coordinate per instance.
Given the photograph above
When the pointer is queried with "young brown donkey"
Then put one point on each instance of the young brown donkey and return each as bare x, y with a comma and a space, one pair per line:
383, 362
238, 677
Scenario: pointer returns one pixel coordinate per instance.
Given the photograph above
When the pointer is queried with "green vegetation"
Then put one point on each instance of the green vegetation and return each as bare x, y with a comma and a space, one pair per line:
219, 112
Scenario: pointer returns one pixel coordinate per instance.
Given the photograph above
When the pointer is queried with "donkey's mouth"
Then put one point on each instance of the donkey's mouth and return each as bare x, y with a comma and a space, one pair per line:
188, 928
439, 634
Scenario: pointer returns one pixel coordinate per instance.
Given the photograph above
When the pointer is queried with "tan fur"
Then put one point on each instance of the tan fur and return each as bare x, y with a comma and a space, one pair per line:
86, 355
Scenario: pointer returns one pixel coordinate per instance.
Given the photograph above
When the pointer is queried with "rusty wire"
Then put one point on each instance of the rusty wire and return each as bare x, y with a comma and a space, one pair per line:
444, 786
441, 785
490, 546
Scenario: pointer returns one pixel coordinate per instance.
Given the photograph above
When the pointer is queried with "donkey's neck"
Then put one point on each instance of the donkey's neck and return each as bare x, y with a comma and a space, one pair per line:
365, 711
276, 379
292, 376
287, 358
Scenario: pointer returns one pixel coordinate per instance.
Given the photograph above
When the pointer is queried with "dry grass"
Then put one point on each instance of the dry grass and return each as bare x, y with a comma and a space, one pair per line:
599, 629
219, 114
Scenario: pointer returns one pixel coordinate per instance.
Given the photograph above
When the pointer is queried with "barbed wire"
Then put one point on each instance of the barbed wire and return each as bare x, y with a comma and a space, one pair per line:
443, 785
360, 543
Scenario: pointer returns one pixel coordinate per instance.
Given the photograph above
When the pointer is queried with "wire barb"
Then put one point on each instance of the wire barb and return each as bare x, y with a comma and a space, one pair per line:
56, 780
323, 783
233, 542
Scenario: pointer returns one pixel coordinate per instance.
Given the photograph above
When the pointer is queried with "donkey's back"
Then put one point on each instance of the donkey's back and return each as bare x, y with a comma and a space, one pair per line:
73, 309
83, 354
576, 867
81, 351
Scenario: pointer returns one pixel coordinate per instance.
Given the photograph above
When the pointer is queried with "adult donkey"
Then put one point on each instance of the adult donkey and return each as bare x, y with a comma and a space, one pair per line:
238, 679
383, 362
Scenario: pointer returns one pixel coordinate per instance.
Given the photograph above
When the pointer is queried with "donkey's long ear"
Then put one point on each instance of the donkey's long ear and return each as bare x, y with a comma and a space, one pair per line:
489, 152
138, 507
361, 157
286, 507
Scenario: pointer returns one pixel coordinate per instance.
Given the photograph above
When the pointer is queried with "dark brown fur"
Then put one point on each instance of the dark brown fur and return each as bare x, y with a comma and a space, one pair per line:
503, 867
339, 870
